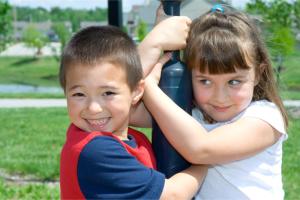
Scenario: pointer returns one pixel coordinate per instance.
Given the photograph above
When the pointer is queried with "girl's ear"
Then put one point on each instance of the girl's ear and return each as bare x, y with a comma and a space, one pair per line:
138, 92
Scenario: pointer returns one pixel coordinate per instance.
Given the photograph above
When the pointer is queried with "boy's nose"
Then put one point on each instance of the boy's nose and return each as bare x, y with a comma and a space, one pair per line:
94, 107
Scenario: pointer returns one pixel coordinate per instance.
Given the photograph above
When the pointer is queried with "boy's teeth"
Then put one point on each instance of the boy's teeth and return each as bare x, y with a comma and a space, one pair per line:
98, 121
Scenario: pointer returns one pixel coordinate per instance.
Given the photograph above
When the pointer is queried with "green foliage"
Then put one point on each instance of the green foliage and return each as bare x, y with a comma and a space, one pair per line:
281, 41
297, 13
141, 30
5, 24
34, 38
62, 32
277, 19
32, 14
57, 14
256, 7
279, 12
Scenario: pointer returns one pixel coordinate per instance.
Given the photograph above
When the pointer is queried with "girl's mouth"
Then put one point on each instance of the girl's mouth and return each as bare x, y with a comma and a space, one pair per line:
221, 108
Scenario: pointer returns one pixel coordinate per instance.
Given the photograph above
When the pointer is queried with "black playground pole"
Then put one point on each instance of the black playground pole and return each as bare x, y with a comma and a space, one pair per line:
115, 16
176, 83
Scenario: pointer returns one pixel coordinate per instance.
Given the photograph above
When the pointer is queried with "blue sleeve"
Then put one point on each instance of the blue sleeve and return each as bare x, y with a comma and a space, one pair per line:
107, 171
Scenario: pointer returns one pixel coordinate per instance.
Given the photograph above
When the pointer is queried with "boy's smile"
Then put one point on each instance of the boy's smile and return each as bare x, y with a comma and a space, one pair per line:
99, 98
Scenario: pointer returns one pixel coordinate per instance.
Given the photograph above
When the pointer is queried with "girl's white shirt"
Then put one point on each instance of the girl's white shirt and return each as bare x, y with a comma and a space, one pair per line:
256, 177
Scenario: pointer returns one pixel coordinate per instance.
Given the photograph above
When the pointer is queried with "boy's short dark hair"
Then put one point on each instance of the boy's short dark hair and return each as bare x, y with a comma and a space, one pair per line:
96, 44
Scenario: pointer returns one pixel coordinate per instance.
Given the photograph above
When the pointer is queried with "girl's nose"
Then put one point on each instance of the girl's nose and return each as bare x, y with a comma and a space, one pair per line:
221, 94
94, 107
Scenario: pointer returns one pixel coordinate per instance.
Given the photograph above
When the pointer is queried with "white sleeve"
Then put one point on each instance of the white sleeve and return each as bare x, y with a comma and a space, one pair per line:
268, 112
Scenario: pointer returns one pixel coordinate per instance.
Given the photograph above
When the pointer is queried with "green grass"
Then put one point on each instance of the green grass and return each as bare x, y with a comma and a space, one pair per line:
289, 78
31, 95
28, 192
290, 94
291, 161
31, 140
29, 71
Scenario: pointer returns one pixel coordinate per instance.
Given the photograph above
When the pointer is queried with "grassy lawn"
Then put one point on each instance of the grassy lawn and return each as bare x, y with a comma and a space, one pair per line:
29, 71
28, 192
289, 78
32, 95
31, 140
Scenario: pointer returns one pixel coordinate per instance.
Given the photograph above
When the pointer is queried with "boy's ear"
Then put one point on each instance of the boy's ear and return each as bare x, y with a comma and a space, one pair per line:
138, 92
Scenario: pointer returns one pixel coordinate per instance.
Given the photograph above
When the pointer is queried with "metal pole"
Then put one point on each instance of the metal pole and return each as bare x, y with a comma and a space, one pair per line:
115, 15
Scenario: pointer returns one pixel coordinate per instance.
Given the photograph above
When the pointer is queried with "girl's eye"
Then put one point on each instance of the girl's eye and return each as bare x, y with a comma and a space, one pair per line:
108, 93
205, 82
78, 94
234, 82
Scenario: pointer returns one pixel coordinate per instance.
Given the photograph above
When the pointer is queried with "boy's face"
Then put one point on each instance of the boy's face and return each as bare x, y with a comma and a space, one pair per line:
99, 98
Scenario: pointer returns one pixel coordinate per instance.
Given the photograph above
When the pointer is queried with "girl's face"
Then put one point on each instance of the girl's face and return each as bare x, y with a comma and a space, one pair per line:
223, 96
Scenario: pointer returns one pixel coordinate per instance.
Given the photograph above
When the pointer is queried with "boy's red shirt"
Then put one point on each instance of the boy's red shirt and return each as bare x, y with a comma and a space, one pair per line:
76, 141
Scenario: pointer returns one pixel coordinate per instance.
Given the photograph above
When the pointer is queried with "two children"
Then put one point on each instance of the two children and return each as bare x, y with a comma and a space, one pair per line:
239, 122
102, 78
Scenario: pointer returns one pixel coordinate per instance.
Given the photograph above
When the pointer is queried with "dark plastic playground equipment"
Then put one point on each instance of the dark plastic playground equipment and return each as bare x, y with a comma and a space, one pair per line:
176, 83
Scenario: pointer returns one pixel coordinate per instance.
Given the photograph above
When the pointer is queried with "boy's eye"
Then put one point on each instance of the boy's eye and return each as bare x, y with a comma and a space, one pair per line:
108, 93
234, 82
78, 94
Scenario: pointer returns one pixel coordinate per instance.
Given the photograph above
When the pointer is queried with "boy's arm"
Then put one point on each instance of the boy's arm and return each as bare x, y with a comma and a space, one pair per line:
139, 115
170, 34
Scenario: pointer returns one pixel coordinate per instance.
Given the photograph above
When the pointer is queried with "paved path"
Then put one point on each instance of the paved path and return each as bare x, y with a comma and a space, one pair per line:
20, 103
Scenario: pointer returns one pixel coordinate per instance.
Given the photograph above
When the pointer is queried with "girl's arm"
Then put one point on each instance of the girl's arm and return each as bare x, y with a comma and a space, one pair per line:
185, 184
230, 142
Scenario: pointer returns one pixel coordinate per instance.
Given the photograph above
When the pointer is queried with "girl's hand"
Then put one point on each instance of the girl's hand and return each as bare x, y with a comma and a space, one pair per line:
169, 35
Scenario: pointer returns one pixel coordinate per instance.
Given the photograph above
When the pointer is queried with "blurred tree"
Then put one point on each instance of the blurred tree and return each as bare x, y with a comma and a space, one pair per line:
281, 41
297, 13
34, 38
62, 32
5, 24
277, 20
141, 30
279, 16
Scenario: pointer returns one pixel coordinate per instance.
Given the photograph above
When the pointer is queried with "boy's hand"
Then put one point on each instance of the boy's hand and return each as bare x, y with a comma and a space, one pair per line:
155, 74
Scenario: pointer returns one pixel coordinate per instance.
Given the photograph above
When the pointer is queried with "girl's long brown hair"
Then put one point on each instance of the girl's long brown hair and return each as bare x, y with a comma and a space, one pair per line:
221, 42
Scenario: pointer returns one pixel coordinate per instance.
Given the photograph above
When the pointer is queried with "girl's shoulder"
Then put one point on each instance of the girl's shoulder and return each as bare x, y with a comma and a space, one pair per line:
266, 111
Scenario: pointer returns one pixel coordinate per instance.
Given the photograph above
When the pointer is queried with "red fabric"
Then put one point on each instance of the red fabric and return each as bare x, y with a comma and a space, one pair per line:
76, 141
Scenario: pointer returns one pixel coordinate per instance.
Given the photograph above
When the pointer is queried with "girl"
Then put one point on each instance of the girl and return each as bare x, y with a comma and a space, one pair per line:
239, 122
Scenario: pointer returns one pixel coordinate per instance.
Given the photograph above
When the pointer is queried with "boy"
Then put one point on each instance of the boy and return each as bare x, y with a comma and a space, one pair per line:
101, 75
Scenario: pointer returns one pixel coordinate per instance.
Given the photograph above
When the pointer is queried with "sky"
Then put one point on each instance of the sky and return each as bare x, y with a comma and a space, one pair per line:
90, 4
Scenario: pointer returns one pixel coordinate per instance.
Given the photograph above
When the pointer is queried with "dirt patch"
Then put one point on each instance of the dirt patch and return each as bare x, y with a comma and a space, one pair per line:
16, 179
